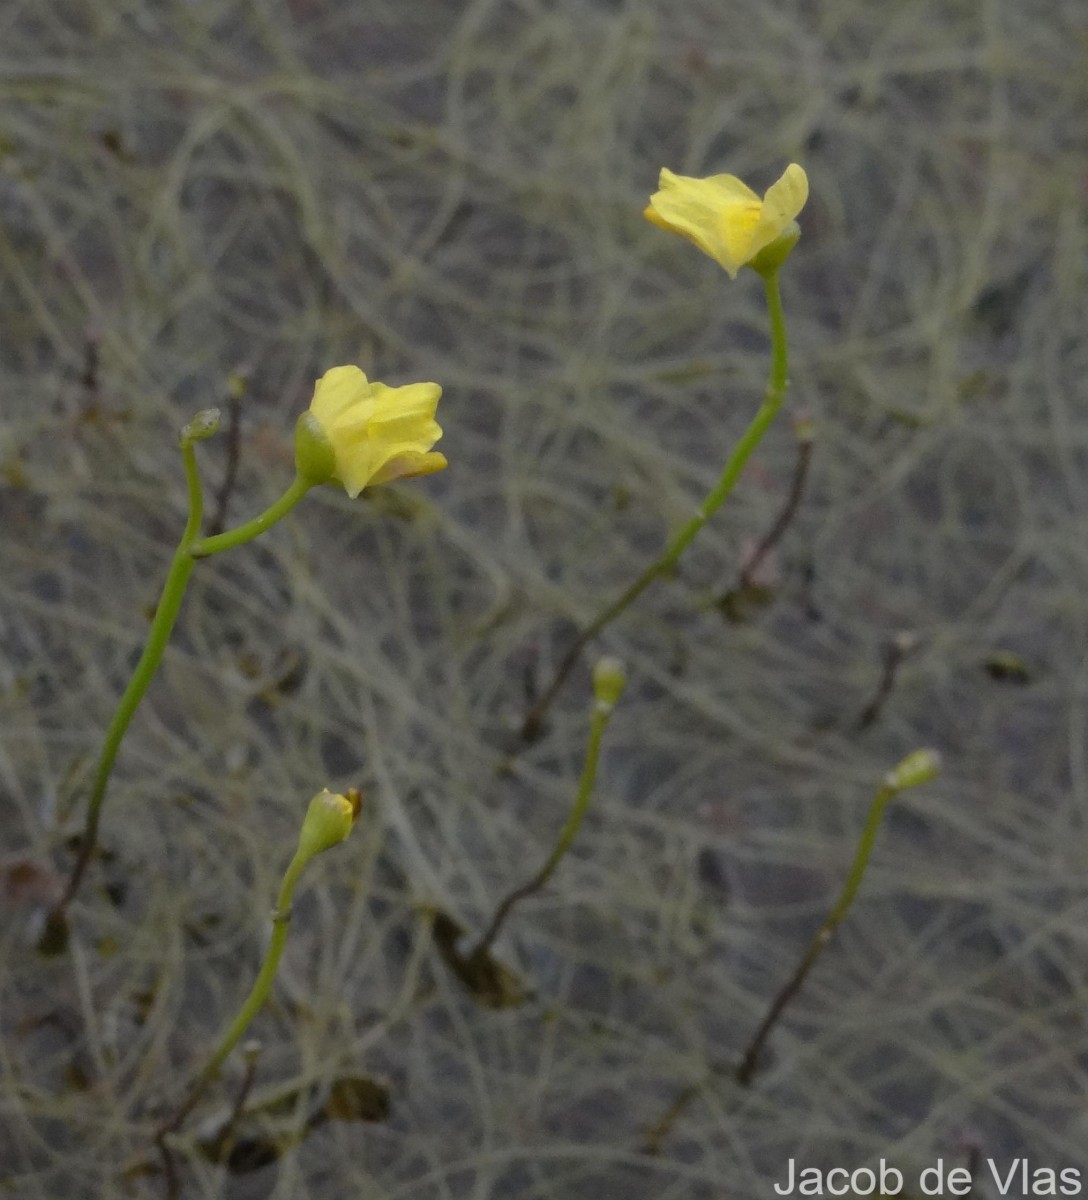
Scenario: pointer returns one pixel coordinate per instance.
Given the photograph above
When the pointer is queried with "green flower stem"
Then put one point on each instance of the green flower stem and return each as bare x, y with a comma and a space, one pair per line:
916, 768
262, 985
251, 529
190, 548
165, 615
602, 711
789, 510
735, 464
258, 995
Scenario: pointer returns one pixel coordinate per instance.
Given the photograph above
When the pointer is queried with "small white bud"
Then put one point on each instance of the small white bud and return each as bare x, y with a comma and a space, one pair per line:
918, 767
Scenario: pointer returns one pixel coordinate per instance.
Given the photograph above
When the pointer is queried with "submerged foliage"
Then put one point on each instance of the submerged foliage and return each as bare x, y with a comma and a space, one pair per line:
205, 205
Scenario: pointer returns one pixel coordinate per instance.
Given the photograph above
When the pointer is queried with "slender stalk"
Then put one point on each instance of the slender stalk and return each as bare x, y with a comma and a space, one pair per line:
205, 547
602, 711
328, 821
190, 548
731, 472
161, 627
894, 654
234, 454
255, 1001
793, 501
916, 768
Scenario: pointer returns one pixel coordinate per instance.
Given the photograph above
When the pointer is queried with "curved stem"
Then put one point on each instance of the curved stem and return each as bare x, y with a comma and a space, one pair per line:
161, 626
781, 523
254, 1002
601, 713
251, 529
920, 766
190, 548
823, 935
731, 472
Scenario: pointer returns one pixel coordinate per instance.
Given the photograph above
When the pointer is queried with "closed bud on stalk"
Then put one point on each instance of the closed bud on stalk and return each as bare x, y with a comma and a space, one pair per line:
609, 680
918, 767
328, 821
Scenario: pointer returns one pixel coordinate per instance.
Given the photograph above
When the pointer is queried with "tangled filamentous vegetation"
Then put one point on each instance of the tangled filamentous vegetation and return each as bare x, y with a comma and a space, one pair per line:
210, 203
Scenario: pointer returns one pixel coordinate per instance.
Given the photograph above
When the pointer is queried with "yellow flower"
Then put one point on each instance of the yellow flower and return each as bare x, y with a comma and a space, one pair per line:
376, 433
725, 218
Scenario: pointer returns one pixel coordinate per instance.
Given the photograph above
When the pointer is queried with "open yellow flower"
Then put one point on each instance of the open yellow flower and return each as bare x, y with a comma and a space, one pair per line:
376, 433
725, 218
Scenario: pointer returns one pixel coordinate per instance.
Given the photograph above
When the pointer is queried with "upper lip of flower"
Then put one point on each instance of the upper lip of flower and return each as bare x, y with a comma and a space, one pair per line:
723, 216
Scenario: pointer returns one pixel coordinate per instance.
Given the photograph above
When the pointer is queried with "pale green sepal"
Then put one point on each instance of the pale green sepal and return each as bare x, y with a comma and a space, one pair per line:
772, 256
315, 459
328, 820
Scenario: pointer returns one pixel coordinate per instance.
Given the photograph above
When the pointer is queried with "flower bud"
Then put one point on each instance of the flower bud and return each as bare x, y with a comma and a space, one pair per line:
329, 820
804, 428
918, 767
609, 680
203, 425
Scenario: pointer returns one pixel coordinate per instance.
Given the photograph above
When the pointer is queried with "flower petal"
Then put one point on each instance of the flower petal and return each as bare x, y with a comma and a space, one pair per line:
784, 200
336, 391
723, 216
414, 399
707, 213
409, 465
377, 433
